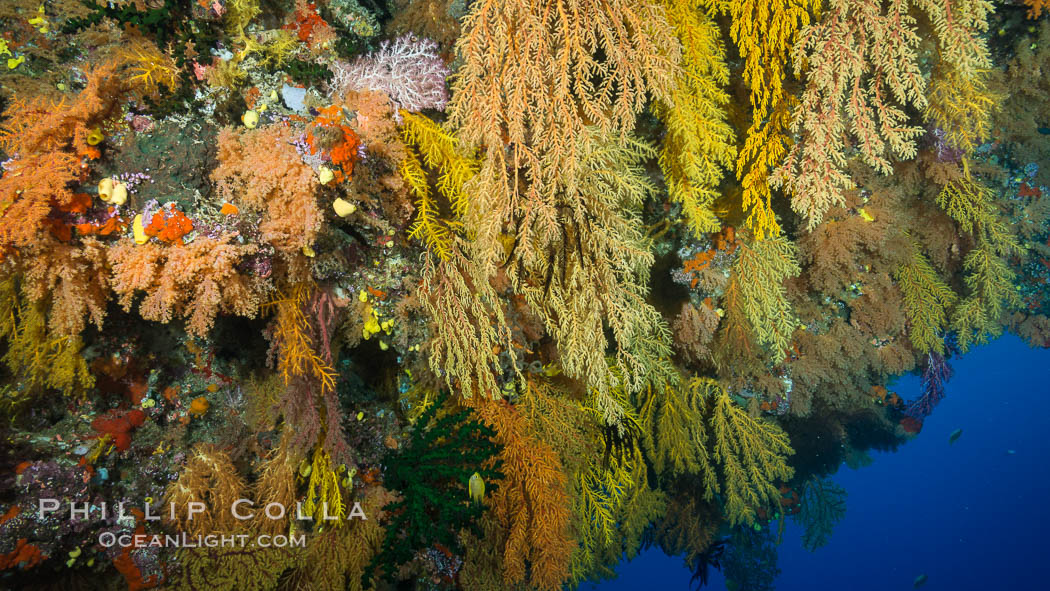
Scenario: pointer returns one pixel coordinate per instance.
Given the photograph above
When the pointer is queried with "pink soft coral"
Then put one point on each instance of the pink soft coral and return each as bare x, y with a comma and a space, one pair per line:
408, 70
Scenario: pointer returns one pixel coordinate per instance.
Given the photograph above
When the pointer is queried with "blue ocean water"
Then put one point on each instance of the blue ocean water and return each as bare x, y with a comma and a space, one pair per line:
968, 515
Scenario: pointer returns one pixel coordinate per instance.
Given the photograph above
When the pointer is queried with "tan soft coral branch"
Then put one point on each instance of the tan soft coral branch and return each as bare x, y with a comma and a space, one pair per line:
195, 281
863, 73
261, 172
75, 279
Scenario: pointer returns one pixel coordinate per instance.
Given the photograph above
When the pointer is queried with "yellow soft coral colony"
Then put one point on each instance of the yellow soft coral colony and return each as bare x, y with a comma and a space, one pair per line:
759, 273
324, 500
989, 278
961, 105
764, 31
38, 360
440, 151
151, 68
613, 502
699, 144
674, 432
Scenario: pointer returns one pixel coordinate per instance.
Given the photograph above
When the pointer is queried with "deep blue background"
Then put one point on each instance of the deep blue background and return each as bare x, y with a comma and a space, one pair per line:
968, 515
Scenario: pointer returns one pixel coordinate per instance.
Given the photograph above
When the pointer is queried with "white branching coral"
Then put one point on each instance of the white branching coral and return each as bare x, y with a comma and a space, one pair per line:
408, 70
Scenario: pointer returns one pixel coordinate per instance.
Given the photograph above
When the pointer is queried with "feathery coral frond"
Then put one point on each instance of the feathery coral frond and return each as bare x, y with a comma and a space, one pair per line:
988, 276
428, 227
324, 499
298, 354
47, 141
990, 282
248, 568
280, 186
760, 271
37, 359
959, 26
209, 477
961, 106
531, 507
823, 505
972, 205
926, 301
596, 274
441, 152
612, 504
845, 93
151, 69
1036, 8
72, 279
559, 172
676, 437
463, 340
752, 454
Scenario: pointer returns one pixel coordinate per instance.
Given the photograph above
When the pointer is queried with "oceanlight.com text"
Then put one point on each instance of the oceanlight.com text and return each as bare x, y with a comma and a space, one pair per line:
110, 539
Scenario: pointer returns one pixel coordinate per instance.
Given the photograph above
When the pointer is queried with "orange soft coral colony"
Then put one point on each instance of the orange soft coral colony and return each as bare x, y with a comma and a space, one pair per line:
51, 141
24, 556
114, 225
58, 229
79, 203
342, 148
199, 406
310, 28
170, 227
345, 154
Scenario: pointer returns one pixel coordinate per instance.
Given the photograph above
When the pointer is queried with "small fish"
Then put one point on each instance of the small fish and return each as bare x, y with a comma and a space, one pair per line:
476, 488
920, 581
1011, 452
956, 434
